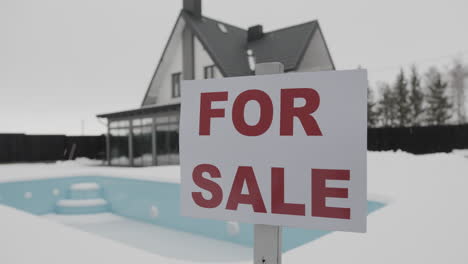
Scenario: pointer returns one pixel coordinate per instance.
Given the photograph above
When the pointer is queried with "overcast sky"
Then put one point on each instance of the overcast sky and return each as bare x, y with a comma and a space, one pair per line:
64, 61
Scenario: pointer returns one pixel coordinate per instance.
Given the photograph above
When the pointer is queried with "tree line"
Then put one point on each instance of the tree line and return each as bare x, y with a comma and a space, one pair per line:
416, 99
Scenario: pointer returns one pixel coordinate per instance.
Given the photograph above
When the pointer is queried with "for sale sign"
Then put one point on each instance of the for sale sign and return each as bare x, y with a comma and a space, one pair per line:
286, 149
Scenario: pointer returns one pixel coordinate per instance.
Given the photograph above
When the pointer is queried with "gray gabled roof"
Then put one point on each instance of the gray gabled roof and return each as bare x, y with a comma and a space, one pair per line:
229, 50
287, 45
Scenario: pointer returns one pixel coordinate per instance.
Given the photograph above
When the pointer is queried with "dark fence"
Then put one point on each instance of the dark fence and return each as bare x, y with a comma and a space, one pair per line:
33, 148
418, 140
93, 147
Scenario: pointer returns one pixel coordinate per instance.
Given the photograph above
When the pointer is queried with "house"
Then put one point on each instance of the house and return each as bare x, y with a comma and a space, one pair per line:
200, 48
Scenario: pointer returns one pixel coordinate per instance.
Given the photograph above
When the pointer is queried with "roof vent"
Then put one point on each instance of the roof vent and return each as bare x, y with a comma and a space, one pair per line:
254, 33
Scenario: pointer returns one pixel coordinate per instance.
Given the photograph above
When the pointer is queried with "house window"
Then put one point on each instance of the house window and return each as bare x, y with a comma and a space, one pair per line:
209, 72
176, 84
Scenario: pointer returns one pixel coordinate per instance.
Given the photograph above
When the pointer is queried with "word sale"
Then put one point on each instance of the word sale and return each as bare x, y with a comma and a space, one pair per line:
245, 176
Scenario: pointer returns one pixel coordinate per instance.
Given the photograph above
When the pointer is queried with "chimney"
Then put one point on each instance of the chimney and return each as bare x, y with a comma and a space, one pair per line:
193, 7
254, 33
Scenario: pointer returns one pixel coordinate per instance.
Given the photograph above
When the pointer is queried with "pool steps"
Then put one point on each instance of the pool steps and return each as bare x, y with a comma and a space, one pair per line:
83, 198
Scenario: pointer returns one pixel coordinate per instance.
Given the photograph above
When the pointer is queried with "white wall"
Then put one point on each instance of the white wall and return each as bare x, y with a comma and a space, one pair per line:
161, 87
203, 59
316, 57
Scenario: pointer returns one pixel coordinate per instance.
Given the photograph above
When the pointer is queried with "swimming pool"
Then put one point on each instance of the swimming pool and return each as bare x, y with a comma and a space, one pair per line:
146, 201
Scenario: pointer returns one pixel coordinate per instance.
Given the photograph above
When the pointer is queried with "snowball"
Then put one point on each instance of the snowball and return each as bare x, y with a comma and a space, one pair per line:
154, 211
232, 228
55, 192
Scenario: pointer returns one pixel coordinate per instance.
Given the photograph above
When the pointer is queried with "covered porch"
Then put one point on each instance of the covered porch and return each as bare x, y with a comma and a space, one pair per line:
146, 136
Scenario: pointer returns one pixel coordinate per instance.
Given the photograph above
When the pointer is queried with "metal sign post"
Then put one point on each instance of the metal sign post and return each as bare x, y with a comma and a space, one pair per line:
267, 238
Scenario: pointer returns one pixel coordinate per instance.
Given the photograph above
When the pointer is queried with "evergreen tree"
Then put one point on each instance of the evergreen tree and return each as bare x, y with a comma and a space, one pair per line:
372, 115
387, 106
403, 108
458, 73
416, 98
438, 106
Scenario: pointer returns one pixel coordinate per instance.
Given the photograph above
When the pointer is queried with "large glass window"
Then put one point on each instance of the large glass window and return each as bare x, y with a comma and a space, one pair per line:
167, 139
145, 152
142, 142
174, 144
119, 140
162, 146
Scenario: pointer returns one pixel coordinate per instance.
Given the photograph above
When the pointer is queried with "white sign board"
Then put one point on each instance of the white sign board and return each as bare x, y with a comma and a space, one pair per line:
286, 149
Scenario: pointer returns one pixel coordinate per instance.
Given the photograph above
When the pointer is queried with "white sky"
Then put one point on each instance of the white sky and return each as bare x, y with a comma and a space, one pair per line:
64, 61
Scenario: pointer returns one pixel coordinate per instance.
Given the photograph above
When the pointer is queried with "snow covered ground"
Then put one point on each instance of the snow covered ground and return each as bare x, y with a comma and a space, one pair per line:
425, 219
83, 166
27, 239
461, 152
158, 240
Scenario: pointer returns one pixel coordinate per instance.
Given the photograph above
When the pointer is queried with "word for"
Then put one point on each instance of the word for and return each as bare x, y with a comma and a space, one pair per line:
287, 111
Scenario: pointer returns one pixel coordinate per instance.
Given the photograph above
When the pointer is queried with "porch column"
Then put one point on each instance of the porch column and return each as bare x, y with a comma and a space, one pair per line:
108, 141
130, 142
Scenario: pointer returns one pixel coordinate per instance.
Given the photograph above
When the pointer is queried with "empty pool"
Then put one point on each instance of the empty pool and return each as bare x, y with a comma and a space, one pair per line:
127, 207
